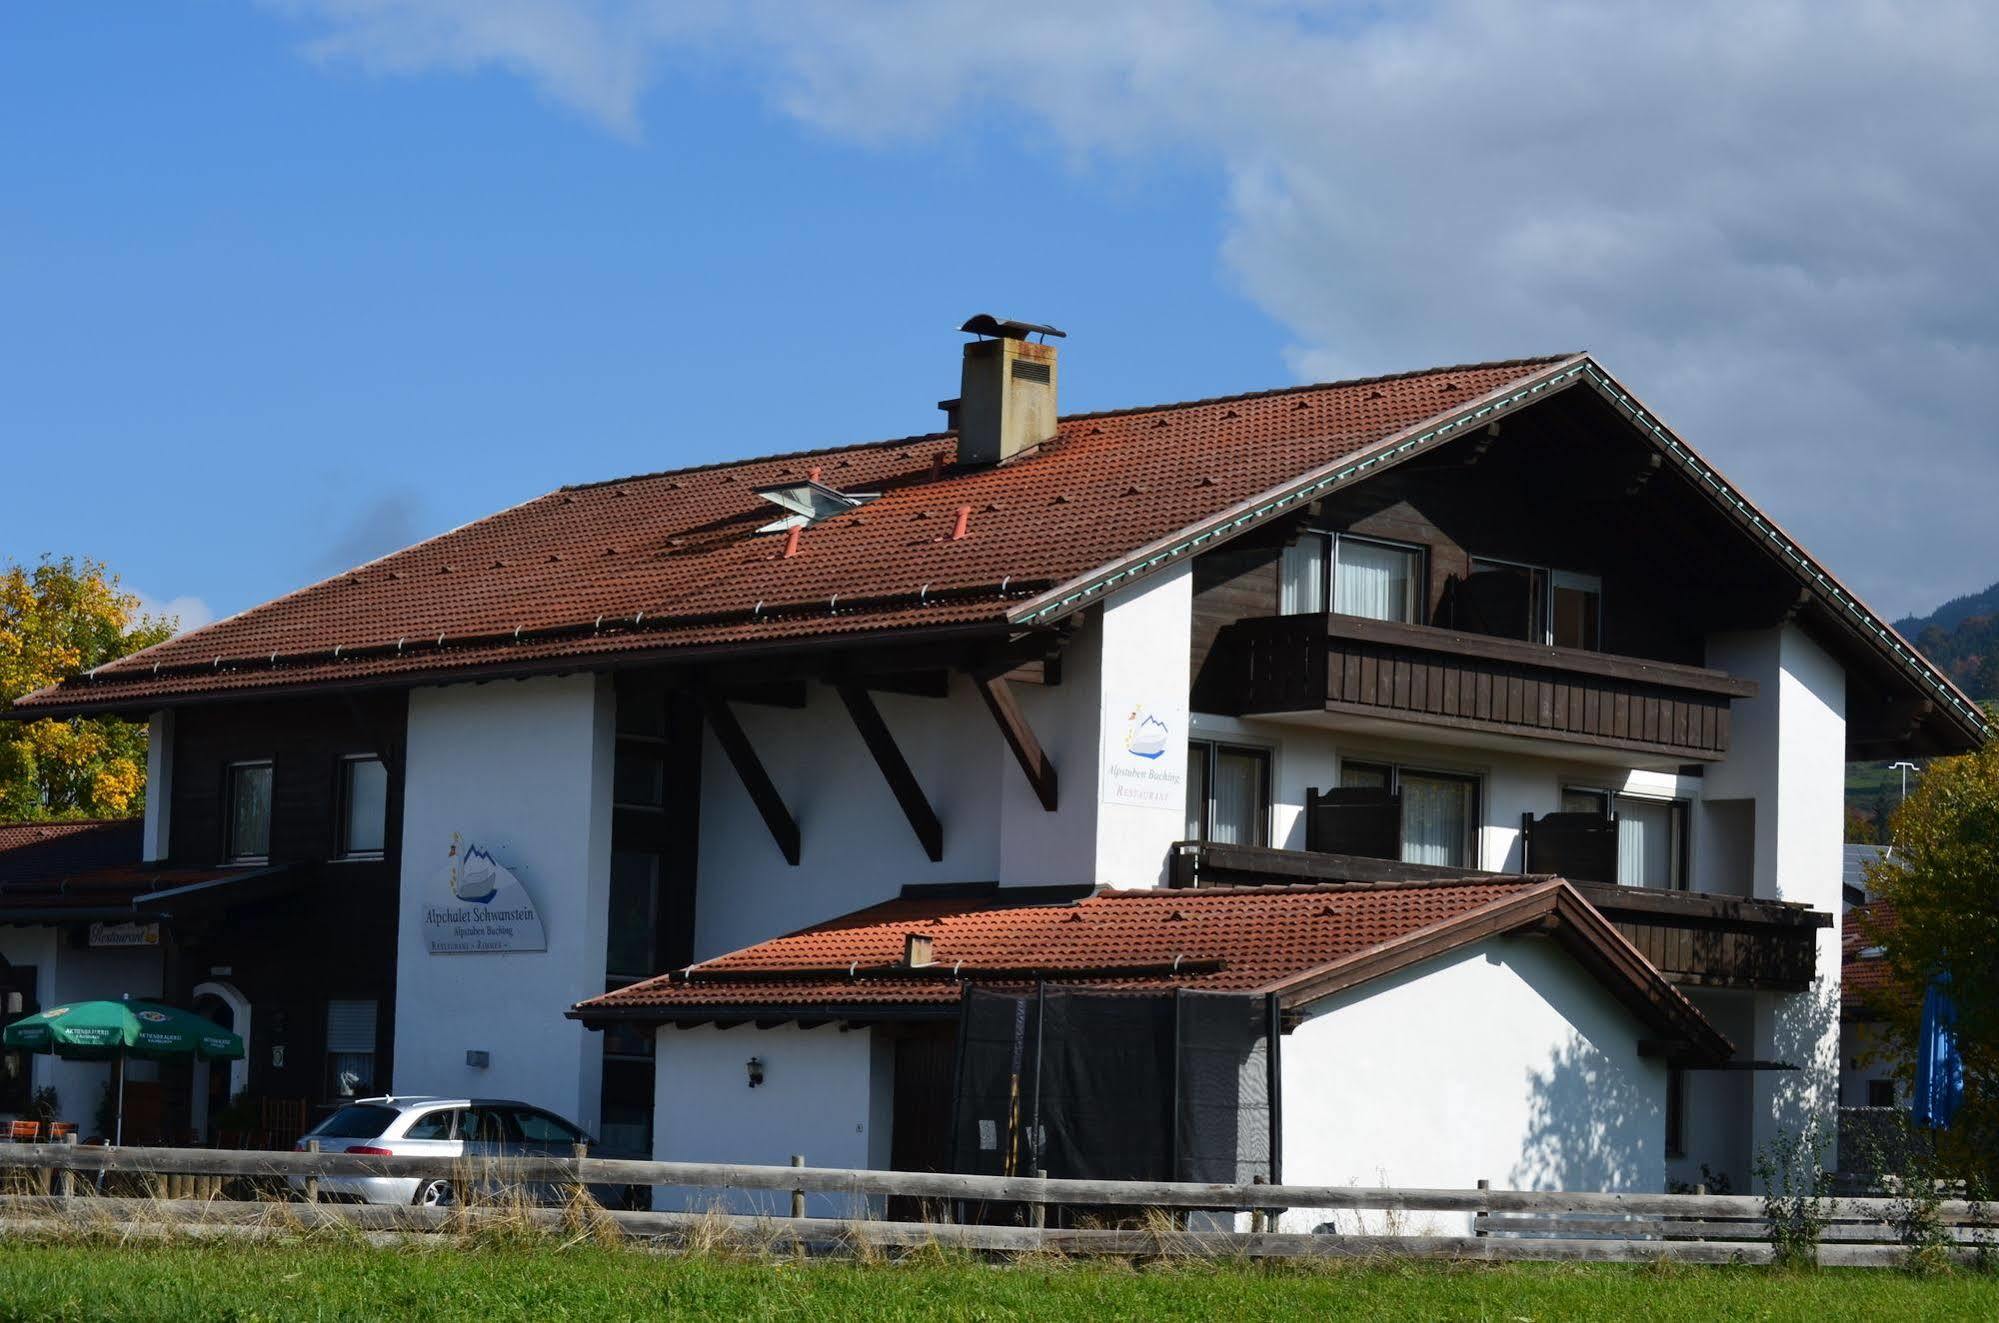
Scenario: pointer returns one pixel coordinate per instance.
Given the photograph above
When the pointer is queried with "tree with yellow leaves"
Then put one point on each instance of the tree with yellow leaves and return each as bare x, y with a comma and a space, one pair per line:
56, 620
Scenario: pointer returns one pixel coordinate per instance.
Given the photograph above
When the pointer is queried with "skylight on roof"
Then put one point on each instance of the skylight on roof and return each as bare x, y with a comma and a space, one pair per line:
809, 502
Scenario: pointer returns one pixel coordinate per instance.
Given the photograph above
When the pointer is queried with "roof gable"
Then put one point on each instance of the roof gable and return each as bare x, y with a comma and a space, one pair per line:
1300, 943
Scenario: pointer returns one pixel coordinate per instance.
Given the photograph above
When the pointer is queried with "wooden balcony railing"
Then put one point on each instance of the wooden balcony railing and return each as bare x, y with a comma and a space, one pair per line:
1439, 677
1694, 938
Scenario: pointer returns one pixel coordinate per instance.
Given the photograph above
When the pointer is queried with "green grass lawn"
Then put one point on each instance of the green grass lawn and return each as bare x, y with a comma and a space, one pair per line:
102, 1280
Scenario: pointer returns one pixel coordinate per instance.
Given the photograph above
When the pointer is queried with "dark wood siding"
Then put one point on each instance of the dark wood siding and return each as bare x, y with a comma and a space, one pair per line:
330, 933
1235, 583
1429, 676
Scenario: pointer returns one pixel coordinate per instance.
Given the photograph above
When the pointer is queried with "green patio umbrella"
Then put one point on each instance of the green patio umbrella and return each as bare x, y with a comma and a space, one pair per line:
114, 1030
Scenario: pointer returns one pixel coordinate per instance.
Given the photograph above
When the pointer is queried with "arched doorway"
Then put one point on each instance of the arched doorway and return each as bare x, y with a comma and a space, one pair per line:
217, 1083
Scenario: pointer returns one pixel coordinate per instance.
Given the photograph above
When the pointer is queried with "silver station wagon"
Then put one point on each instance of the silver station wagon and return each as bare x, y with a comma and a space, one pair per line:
467, 1128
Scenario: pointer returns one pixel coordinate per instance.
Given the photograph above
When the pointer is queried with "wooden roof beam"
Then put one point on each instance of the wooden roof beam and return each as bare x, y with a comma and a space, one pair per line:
902, 782
750, 770
1020, 737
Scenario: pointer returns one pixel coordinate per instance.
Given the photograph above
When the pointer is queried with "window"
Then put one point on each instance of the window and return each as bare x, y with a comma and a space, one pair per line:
634, 922
1676, 1112
487, 1125
1439, 817
1651, 835
249, 812
431, 1125
1439, 810
1880, 1093
1529, 602
638, 778
350, 1048
538, 1127
1228, 793
1378, 580
364, 807
355, 1121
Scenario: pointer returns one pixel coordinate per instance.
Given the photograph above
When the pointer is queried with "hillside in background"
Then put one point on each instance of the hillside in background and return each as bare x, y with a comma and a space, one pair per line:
1962, 637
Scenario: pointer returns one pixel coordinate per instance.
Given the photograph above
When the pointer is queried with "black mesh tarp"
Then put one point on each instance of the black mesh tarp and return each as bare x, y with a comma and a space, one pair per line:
1107, 1087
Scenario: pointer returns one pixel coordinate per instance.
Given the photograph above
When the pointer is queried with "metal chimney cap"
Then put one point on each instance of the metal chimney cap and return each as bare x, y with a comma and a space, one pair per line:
987, 324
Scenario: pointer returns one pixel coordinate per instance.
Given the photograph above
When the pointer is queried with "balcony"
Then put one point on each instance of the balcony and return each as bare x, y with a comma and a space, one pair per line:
1357, 669
1695, 939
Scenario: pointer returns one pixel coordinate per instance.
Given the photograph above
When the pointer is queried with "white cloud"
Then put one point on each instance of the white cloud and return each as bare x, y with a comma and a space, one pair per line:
1771, 219
189, 612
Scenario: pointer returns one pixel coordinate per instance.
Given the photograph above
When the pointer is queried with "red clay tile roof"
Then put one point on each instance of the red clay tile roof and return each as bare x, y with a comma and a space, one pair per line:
672, 560
1259, 939
1863, 978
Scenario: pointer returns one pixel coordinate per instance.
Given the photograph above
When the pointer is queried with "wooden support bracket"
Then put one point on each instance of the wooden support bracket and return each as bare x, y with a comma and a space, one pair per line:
750, 770
1019, 737
894, 767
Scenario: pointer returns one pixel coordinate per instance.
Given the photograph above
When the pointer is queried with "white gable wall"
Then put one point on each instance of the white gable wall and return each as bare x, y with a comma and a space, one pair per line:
826, 1096
522, 768
1501, 1062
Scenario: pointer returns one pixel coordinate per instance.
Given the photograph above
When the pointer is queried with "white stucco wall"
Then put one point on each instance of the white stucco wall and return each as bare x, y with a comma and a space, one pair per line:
1131, 653
522, 768
1503, 1062
1715, 1129
1788, 751
856, 847
1146, 644
826, 1096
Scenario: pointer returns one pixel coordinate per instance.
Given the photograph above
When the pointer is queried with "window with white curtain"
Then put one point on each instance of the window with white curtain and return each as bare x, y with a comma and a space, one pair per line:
1376, 580
1301, 575
1439, 810
1439, 815
1651, 835
1319, 572
1649, 842
1228, 793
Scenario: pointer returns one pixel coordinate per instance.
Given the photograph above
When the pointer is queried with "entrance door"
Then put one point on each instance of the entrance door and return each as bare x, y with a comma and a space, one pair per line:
920, 1125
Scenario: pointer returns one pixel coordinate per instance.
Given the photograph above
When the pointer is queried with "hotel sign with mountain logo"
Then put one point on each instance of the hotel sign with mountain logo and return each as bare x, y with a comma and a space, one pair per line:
479, 906
1144, 757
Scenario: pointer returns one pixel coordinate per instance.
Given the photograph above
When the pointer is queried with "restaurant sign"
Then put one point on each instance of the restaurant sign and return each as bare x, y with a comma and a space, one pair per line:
124, 934
482, 907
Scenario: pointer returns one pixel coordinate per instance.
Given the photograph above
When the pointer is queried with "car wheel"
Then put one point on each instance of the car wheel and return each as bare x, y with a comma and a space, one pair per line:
435, 1194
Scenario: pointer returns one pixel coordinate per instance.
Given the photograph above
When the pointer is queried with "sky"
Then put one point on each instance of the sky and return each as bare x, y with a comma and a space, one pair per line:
288, 284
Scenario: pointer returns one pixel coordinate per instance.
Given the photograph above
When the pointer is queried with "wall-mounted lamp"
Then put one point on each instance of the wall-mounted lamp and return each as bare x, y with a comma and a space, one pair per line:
756, 1069
478, 1058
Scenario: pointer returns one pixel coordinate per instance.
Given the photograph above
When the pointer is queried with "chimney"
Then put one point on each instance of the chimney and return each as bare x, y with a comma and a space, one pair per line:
1007, 399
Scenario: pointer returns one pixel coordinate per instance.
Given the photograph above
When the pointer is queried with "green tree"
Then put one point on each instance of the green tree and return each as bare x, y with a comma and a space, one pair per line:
1945, 894
58, 619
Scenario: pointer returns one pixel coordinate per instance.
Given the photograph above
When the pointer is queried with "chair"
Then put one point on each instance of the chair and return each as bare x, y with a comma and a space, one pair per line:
58, 1129
24, 1132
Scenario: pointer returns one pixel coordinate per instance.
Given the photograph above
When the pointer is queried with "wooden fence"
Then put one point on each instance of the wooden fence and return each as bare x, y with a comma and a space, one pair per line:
237, 1193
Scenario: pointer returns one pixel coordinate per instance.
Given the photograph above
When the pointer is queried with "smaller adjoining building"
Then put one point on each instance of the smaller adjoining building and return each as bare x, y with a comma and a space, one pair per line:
68, 932
1495, 1027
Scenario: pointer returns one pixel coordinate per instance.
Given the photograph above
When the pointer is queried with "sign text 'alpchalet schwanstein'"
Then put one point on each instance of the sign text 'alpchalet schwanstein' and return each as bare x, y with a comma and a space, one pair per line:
488, 908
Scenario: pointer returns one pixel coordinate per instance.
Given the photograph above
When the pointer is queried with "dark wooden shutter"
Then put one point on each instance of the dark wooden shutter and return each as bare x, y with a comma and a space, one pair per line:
1355, 821
1579, 846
